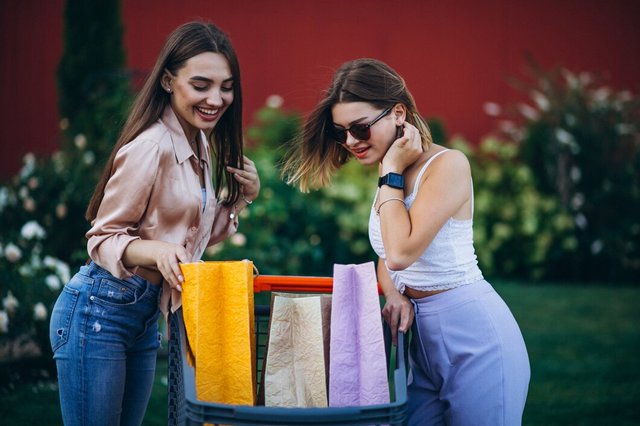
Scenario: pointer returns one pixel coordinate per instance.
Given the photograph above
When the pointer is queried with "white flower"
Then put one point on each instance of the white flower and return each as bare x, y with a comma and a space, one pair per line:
492, 109
528, 112
13, 253
61, 211
53, 282
58, 161
31, 230
26, 270
601, 95
39, 312
238, 240
89, 158
4, 198
581, 221
275, 101
61, 268
10, 303
36, 258
596, 247
575, 174
571, 79
624, 129
585, 78
566, 138
541, 100
23, 192
29, 166
33, 182
64, 124
4, 322
625, 96
29, 204
80, 141
577, 201
63, 271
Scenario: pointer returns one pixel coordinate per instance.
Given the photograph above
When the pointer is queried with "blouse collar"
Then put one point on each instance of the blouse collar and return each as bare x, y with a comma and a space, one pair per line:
181, 146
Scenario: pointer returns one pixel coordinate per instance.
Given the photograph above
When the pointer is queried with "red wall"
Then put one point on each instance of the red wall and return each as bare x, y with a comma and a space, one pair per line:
455, 55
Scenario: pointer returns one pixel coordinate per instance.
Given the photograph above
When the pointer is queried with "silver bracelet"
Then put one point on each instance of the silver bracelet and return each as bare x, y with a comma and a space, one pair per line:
245, 199
386, 201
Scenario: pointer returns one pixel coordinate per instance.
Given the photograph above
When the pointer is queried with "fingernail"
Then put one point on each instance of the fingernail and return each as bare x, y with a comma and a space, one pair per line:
179, 287
181, 278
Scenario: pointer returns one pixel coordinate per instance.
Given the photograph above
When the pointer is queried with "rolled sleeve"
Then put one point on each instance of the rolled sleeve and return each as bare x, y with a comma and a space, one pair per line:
126, 196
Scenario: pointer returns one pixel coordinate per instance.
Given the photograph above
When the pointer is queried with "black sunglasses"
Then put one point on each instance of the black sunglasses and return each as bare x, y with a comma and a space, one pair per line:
361, 132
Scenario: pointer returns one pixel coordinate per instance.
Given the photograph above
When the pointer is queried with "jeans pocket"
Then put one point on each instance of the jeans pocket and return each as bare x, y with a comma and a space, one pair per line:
61, 316
113, 291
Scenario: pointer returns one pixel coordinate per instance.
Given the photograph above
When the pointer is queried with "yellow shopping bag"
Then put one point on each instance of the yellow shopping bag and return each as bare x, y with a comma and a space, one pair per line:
217, 304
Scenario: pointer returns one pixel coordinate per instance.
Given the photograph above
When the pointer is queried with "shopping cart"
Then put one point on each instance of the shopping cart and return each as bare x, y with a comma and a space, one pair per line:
186, 409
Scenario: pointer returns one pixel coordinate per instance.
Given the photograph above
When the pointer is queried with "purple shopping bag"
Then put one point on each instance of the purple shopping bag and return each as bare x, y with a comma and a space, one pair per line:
358, 366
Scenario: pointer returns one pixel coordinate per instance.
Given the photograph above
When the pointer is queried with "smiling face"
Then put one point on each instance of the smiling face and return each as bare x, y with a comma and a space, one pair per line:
382, 133
201, 92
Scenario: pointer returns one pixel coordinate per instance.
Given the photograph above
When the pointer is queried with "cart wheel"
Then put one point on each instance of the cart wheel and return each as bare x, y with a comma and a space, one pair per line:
176, 409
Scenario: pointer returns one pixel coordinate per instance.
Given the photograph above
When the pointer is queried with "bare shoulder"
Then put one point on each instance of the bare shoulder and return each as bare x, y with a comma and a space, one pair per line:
451, 162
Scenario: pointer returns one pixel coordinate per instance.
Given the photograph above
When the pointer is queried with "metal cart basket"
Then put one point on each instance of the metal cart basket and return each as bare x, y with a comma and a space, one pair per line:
186, 409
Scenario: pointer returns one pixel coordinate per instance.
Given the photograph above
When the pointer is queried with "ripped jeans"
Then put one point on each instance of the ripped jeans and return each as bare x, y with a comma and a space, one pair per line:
104, 337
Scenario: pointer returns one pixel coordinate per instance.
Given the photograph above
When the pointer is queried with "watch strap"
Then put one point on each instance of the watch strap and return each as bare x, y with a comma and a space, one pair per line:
394, 180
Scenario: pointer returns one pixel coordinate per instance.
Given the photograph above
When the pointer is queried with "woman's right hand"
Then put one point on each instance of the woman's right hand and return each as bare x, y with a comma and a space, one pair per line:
168, 257
398, 313
160, 255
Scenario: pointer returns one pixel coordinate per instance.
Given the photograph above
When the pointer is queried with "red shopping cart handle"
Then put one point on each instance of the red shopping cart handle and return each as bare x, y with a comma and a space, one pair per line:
294, 283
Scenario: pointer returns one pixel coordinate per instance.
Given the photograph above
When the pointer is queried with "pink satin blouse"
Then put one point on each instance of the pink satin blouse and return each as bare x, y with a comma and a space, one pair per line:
154, 193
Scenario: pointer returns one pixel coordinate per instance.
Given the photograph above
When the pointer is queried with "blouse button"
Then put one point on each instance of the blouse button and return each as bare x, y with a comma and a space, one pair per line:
194, 229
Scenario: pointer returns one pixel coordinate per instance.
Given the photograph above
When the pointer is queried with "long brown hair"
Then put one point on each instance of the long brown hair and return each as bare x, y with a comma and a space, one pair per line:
315, 156
185, 42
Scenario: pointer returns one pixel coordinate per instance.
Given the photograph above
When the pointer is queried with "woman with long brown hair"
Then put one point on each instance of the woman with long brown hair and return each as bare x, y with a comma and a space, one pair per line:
174, 185
468, 360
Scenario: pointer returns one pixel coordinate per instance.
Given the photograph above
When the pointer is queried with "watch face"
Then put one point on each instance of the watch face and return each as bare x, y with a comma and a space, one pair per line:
395, 180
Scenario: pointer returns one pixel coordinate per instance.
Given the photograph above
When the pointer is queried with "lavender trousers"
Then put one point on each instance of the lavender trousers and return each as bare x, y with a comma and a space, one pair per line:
469, 364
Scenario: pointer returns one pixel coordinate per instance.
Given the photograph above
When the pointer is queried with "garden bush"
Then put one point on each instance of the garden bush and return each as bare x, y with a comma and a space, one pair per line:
581, 139
42, 207
517, 229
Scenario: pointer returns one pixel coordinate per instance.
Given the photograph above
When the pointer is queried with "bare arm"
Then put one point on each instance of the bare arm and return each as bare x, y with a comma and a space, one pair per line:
158, 255
397, 311
445, 192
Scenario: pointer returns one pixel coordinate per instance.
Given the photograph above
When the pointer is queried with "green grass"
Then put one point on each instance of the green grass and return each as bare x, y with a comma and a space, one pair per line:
583, 344
38, 403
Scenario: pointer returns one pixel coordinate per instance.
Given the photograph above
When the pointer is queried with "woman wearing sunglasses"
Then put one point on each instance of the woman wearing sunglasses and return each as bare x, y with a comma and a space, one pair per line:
469, 364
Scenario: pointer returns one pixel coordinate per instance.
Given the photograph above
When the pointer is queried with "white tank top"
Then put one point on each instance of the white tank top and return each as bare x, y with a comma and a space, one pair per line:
448, 262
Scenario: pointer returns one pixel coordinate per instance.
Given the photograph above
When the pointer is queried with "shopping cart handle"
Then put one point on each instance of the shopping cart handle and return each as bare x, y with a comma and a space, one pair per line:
294, 283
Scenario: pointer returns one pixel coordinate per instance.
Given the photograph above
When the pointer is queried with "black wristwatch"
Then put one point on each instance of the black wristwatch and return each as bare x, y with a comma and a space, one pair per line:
394, 180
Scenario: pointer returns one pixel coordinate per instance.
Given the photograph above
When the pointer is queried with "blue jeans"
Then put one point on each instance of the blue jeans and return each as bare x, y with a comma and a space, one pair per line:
104, 337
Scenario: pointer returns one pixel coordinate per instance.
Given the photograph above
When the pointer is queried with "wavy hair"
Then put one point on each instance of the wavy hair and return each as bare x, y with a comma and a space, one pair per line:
314, 155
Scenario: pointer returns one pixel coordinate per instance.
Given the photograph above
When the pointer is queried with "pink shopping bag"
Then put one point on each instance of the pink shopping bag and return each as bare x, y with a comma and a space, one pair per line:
358, 367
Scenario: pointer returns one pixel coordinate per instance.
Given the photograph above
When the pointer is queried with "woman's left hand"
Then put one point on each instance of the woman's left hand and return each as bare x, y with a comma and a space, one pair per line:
248, 178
